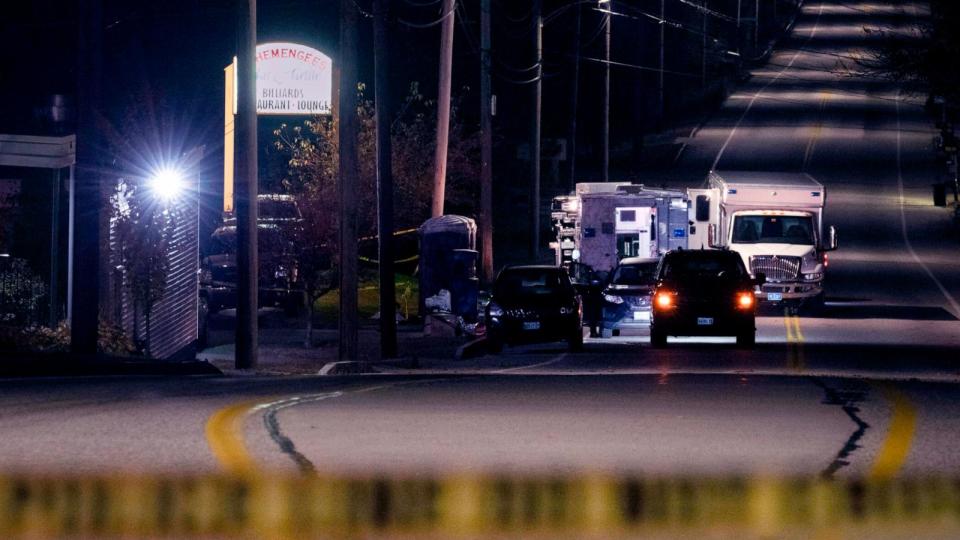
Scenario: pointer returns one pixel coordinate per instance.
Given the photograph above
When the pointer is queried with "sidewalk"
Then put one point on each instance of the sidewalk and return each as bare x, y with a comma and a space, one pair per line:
282, 352
14, 365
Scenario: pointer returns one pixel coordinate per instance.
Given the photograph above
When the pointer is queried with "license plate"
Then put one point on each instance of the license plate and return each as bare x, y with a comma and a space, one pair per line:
641, 316
774, 296
531, 326
705, 321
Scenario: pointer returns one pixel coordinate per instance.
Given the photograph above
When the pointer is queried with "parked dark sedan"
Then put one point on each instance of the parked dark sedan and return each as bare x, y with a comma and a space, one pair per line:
704, 293
627, 296
534, 304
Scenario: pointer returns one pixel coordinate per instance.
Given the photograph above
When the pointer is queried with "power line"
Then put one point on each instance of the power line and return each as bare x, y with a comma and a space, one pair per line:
432, 23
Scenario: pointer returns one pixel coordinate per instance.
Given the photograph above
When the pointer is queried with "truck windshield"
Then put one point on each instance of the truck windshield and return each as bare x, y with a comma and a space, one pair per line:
773, 230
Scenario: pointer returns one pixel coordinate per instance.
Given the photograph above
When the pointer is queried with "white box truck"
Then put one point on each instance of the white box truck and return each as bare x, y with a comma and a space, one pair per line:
774, 221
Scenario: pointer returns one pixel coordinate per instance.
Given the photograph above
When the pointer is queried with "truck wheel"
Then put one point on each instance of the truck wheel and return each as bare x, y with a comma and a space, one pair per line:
494, 345
747, 339
658, 339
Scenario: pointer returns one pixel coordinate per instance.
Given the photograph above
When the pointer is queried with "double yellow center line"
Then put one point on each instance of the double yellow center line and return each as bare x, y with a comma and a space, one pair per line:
903, 419
795, 340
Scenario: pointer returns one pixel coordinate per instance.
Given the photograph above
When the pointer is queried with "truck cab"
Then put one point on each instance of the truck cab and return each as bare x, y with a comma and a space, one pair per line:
774, 221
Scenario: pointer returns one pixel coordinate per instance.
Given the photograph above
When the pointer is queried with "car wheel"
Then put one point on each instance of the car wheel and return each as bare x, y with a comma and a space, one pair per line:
658, 338
575, 341
747, 339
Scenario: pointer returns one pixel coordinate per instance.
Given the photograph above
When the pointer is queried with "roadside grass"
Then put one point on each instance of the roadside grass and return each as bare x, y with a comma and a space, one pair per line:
327, 307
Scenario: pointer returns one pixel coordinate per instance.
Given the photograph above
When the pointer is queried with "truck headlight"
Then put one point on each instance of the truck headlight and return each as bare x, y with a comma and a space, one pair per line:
495, 310
816, 276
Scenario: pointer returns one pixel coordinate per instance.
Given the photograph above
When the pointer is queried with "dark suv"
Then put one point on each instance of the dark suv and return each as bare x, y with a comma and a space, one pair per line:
533, 304
704, 293
626, 297
278, 228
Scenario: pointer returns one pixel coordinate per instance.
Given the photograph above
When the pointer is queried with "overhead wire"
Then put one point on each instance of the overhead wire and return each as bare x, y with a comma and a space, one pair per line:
431, 24
475, 50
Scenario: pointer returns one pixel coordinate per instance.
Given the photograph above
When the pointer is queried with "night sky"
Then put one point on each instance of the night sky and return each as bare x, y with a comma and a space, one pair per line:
164, 83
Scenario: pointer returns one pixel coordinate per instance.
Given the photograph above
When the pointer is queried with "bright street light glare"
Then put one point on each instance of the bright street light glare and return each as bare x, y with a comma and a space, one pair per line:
167, 184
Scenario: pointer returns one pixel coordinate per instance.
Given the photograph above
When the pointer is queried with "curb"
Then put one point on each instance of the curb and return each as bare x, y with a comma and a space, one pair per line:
471, 349
346, 367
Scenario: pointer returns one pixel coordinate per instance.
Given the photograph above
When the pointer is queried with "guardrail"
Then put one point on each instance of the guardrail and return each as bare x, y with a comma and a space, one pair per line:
593, 506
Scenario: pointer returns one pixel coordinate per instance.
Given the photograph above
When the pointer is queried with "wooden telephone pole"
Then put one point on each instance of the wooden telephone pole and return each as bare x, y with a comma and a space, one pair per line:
381, 53
349, 175
247, 189
84, 324
486, 148
443, 107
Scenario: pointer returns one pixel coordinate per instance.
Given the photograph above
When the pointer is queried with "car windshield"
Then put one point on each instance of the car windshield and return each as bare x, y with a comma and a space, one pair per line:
773, 230
728, 265
635, 274
530, 282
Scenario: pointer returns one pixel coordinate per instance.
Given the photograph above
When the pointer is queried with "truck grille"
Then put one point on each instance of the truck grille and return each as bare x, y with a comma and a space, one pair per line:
776, 268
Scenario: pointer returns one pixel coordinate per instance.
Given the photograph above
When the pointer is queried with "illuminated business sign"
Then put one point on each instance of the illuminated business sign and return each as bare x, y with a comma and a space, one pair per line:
293, 79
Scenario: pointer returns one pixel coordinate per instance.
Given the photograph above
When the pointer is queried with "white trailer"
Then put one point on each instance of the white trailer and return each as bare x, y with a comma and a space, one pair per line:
602, 223
774, 221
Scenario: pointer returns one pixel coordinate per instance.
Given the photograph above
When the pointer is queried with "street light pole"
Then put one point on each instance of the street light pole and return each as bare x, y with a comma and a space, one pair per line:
574, 102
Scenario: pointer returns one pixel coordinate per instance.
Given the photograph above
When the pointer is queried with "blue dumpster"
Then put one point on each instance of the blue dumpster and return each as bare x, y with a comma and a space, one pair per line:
448, 261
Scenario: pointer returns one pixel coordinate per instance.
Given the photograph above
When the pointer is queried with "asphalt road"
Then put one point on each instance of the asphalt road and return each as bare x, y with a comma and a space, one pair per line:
868, 387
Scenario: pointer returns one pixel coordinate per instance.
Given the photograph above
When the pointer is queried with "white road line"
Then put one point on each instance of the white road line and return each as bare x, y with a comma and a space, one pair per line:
903, 223
762, 90
532, 366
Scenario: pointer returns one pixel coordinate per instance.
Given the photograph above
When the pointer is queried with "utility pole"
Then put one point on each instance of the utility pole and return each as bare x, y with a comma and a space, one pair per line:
349, 180
574, 103
756, 28
247, 188
703, 53
535, 139
605, 136
663, 36
739, 35
486, 148
443, 107
84, 320
388, 297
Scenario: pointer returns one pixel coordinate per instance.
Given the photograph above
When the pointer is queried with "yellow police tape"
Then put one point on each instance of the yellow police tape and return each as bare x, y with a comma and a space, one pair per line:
591, 506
